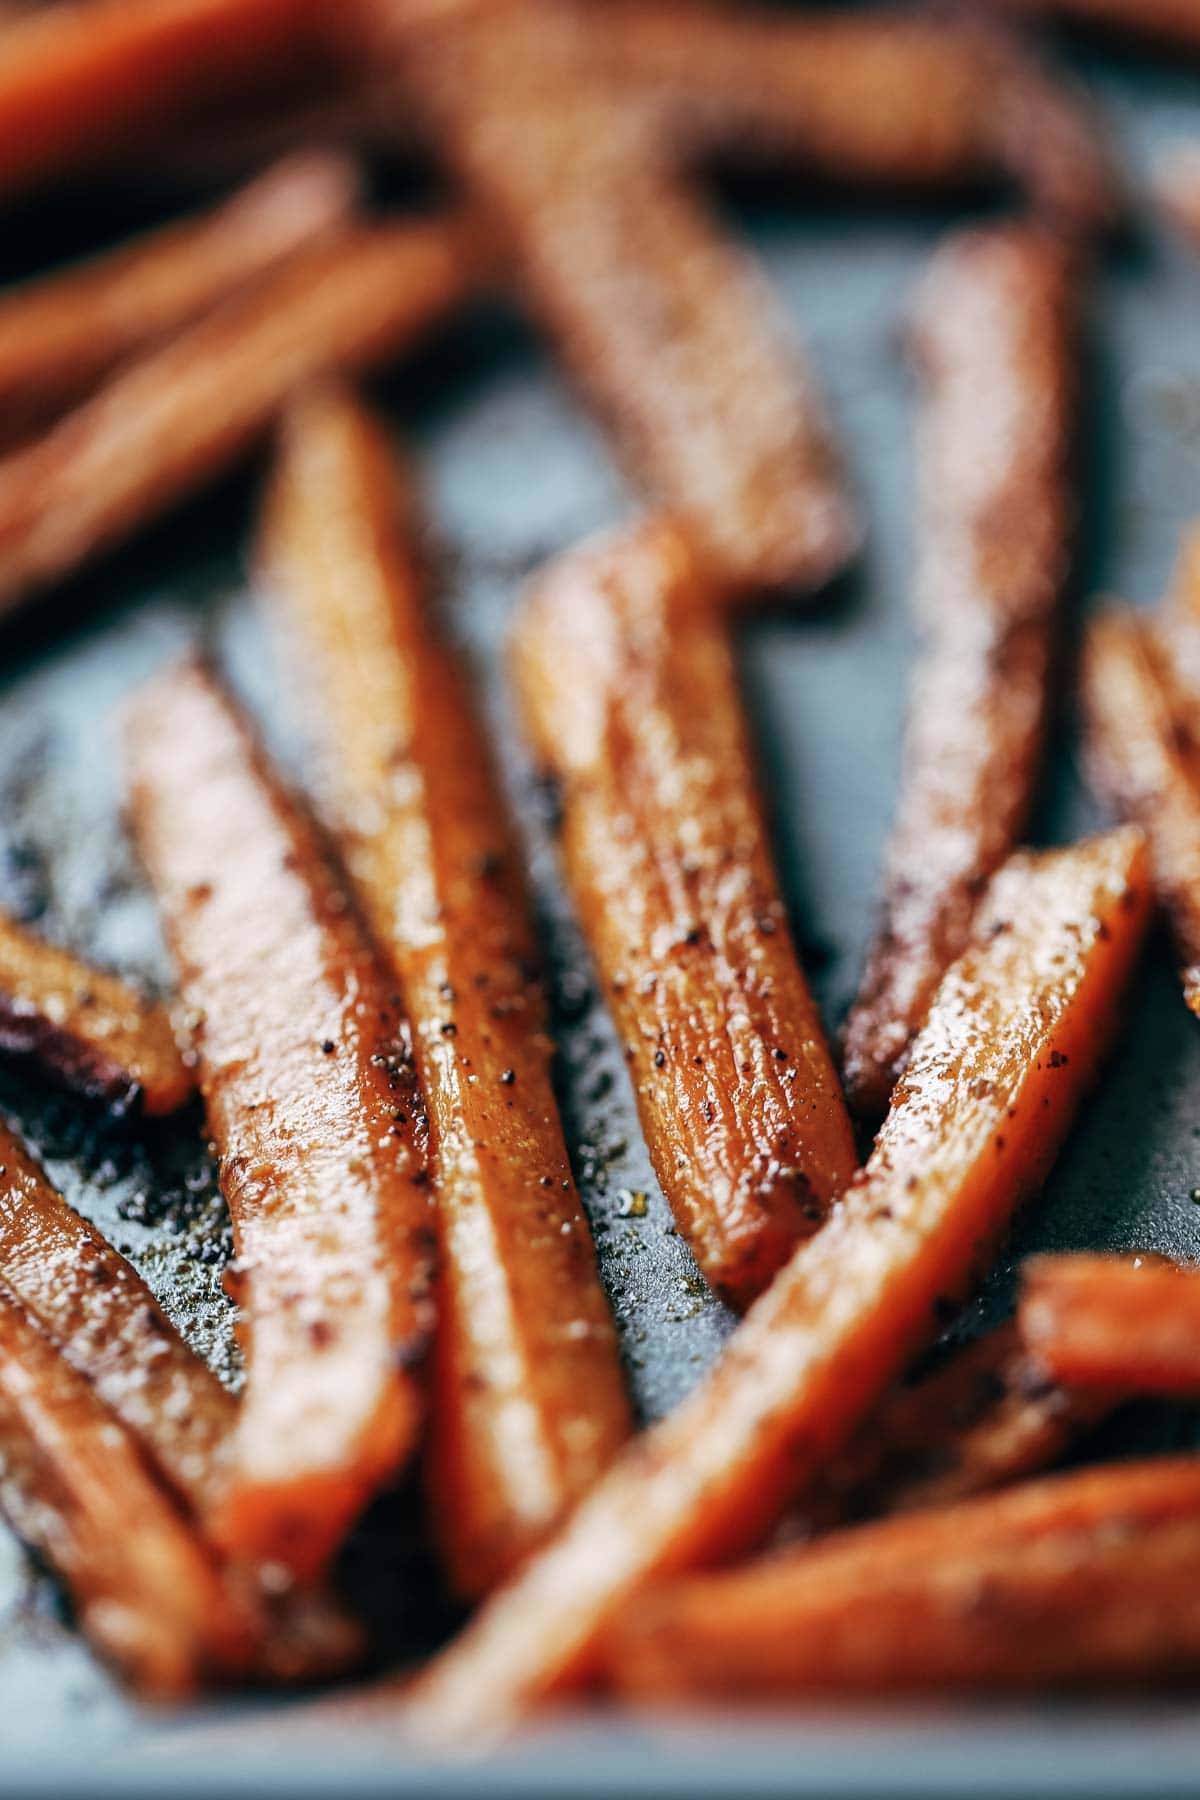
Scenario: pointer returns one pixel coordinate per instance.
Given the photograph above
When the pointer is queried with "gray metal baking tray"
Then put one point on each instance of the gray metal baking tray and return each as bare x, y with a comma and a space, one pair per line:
515, 471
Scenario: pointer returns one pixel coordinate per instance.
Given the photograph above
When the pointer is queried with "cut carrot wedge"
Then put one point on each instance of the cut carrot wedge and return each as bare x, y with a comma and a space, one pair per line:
79, 83
177, 417
101, 1315
994, 335
87, 1029
1090, 1578
313, 1111
630, 698
1147, 766
876, 97
1013, 1038
666, 327
529, 1403
76, 1489
60, 334
1130, 1322
983, 1419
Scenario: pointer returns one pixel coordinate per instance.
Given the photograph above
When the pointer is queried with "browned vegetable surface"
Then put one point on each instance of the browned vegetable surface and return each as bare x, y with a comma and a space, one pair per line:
887, 97
1146, 764
1084, 1578
529, 1403
80, 82
1129, 1322
87, 1028
630, 698
1015, 1035
994, 335
984, 1418
74, 1485
661, 320
313, 1111
60, 333
176, 417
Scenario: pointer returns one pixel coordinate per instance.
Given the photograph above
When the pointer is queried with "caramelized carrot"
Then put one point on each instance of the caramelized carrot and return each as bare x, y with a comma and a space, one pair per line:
994, 336
1013, 1038
312, 1108
529, 1405
1148, 768
662, 322
630, 698
1113, 1321
60, 334
79, 83
75, 1488
1088, 1578
175, 418
88, 1029
983, 1419
877, 97
101, 1315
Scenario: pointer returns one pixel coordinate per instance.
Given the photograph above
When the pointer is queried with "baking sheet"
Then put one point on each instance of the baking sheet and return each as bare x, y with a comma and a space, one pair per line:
514, 471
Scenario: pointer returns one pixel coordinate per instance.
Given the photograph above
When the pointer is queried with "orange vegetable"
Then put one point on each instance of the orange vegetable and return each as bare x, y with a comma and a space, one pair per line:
629, 695
89, 1029
178, 416
75, 1487
79, 83
1147, 766
1113, 1321
665, 325
1015, 1035
1089, 1578
529, 1402
60, 333
994, 332
985, 1417
314, 1113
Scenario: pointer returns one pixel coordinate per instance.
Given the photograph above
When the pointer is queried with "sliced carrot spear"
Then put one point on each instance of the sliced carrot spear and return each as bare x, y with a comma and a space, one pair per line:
994, 335
664, 324
61, 333
79, 83
630, 698
1130, 1322
863, 97
1013, 1039
986, 1417
312, 1108
1089, 1578
74, 1486
529, 1405
88, 1029
1142, 758
175, 418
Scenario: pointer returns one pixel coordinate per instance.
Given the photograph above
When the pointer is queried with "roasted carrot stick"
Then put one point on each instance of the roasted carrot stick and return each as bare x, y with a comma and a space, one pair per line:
86, 1028
1012, 1040
1130, 1322
983, 1419
1089, 1578
530, 1405
662, 322
75, 1487
866, 97
994, 330
313, 1110
175, 418
80, 82
101, 1315
61, 333
630, 698
1148, 768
